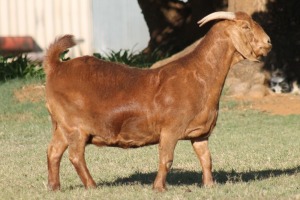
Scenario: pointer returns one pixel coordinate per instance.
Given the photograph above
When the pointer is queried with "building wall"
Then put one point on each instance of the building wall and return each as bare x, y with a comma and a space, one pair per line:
46, 19
103, 25
119, 24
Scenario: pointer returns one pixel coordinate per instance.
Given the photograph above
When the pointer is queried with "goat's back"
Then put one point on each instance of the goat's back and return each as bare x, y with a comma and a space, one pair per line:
88, 72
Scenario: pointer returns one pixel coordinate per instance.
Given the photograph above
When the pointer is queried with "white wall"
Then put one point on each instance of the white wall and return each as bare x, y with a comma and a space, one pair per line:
46, 19
119, 24
103, 24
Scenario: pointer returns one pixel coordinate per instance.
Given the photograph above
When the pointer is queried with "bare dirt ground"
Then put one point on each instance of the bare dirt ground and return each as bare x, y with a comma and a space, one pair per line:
278, 104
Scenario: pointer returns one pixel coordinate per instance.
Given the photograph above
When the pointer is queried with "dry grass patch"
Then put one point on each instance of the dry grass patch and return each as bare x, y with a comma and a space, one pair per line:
31, 93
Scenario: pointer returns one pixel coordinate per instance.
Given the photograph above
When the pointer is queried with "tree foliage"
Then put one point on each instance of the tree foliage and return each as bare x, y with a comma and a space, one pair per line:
173, 23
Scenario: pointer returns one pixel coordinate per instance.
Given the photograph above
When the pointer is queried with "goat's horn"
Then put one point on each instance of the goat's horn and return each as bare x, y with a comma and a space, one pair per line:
217, 15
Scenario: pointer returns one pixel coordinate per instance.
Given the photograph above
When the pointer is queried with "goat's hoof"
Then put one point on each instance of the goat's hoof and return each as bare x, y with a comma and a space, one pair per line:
91, 186
208, 184
53, 187
159, 189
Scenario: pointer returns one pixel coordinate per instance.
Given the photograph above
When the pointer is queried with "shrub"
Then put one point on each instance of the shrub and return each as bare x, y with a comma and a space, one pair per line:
19, 67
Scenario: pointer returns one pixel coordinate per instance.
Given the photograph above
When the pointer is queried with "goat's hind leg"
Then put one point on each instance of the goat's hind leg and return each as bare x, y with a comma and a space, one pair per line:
77, 143
56, 148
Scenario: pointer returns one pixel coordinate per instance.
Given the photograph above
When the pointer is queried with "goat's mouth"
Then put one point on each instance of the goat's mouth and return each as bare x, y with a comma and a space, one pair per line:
260, 58
259, 51
262, 51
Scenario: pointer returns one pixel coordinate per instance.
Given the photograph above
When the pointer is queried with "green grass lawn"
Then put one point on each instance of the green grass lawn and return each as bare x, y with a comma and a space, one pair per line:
255, 156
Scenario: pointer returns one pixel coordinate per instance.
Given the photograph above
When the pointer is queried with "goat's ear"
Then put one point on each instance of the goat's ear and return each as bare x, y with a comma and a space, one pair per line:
237, 34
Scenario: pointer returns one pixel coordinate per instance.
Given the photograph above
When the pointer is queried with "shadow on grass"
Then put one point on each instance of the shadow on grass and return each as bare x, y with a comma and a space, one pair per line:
183, 177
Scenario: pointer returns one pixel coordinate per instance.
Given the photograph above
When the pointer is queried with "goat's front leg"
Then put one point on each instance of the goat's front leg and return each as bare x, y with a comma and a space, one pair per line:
203, 154
77, 143
56, 148
166, 154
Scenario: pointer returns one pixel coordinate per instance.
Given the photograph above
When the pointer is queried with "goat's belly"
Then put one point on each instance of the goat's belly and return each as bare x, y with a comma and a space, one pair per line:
126, 140
126, 129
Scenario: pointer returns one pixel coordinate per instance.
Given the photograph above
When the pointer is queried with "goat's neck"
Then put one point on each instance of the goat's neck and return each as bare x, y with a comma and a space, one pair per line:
214, 58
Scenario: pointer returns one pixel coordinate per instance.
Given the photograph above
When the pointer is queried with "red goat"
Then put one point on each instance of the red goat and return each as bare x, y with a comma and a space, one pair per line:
92, 101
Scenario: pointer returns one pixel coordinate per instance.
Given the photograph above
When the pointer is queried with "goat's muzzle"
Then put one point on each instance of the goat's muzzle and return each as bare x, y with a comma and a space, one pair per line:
263, 48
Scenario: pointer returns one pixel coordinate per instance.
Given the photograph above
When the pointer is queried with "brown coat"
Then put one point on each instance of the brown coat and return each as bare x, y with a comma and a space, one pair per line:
92, 101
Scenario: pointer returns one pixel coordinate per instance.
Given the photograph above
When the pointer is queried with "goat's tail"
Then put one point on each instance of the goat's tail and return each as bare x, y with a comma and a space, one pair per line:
52, 57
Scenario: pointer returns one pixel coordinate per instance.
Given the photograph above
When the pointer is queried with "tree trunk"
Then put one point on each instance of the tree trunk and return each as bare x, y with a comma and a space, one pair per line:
173, 23
248, 6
